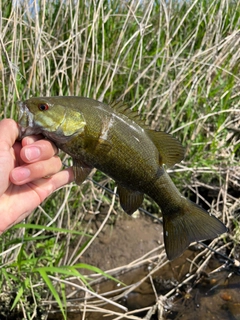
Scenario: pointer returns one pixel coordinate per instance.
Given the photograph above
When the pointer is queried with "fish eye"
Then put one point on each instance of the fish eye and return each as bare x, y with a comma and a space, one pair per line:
43, 107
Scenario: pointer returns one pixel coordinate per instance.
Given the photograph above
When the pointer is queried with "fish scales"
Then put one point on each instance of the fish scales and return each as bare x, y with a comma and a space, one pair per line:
114, 141
125, 157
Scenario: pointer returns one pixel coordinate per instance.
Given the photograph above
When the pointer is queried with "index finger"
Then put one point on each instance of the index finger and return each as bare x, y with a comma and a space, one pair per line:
8, 134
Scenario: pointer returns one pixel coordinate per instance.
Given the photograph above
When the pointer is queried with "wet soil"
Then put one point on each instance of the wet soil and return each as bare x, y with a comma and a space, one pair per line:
127, 240
170, 290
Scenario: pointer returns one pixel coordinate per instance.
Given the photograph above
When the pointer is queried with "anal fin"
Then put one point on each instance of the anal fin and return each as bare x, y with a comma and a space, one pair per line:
130, 200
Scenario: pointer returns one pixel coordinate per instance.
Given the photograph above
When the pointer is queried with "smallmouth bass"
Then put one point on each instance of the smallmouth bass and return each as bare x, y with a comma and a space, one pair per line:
113, 140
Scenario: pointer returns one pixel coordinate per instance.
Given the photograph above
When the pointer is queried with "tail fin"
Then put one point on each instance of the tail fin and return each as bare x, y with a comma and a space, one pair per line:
191, 223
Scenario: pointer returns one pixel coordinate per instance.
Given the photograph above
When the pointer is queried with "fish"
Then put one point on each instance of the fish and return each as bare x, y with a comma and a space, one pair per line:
113, 139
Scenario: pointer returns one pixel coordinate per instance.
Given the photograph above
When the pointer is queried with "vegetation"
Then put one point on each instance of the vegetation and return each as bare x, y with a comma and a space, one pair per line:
176, 62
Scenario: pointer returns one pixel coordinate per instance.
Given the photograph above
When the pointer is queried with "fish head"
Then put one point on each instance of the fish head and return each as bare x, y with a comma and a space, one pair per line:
50, 117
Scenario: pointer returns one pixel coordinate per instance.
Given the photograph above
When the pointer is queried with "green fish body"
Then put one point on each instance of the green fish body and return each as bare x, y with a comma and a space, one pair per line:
113, 140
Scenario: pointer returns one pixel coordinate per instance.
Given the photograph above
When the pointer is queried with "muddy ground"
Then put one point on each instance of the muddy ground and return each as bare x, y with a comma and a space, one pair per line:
210, 292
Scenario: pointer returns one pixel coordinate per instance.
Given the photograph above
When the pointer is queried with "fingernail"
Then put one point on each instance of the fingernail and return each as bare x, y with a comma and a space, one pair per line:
19, 174
32, 153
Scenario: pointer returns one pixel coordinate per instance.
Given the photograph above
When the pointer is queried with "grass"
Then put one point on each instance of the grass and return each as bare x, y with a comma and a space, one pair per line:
176, 62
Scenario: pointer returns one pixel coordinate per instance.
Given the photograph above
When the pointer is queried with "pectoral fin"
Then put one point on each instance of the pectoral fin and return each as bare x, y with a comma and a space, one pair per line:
81, 171
93, 142
130, 201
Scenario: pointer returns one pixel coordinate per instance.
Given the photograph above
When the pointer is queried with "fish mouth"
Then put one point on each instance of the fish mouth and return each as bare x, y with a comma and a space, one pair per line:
25, 121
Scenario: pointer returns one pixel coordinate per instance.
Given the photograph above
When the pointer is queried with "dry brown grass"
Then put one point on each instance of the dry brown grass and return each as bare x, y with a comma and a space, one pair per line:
176, 63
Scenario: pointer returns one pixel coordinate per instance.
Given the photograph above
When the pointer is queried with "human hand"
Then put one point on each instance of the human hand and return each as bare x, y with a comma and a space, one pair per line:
23, 166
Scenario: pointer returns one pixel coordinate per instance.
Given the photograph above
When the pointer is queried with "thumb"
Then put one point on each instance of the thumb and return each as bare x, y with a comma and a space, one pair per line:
8, 135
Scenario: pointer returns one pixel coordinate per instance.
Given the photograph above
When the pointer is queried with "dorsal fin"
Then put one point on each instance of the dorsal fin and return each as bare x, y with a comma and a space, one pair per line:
123, 108
170, 149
